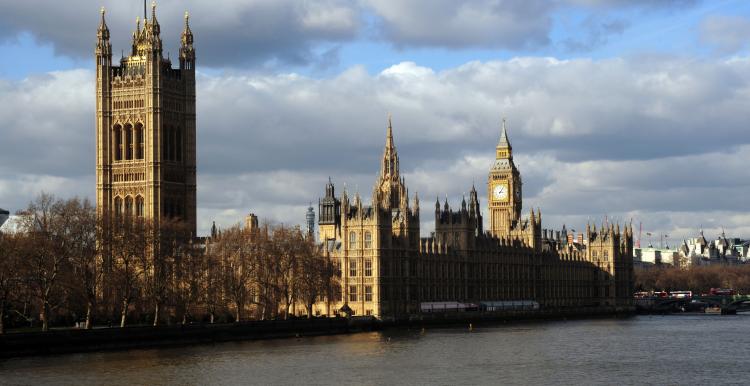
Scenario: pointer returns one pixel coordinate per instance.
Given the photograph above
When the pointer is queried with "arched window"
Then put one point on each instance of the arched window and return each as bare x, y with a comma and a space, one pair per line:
165, 144
128, 142
139, 206
118, 206
128, 206
139, 141
178, 145
352, 240
368, 240
117, 143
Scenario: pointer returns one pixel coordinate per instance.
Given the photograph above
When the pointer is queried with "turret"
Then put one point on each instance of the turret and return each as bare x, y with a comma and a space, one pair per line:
148, 41
103, 46
187, 52
416, 205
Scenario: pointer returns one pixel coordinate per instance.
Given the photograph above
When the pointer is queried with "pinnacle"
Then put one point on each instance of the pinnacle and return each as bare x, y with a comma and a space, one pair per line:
504, 142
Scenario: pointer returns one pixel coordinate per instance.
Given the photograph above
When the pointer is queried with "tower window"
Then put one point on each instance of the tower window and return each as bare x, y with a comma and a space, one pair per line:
118, 206
178, 145
368, 293
128, 206
352, 268
166, 145
139, 140
128, 142
117, 143
352, 240
368, 240
139, 206
368, 267
352, 293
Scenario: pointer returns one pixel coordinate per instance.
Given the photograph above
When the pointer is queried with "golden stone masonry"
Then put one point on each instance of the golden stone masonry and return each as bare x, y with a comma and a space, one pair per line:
145, 127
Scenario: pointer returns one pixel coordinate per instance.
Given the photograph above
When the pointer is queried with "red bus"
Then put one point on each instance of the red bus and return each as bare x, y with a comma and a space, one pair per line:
722, 292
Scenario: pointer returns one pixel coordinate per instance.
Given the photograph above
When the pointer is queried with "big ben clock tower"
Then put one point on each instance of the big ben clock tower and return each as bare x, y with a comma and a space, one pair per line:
504, 189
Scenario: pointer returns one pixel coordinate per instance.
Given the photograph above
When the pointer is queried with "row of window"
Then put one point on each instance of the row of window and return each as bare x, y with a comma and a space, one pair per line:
172, 144
594, 254
353, 240
129, 104
128, 206
136, 207
128, 142
367, 268
353, 293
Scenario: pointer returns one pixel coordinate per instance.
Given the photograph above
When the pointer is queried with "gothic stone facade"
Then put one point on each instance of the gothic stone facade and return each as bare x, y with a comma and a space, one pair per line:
145, 127
387, 269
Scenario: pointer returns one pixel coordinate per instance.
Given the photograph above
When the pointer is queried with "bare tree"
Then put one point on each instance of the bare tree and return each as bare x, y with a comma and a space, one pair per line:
285, 250
212, 285
84, 254
10, 272
235, 249
47, 225
185, 266
131, 238
317, 277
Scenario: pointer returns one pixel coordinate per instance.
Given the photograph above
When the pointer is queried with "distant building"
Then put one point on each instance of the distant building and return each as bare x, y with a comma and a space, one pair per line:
4, 214
650, 256
14, 223
310, 218
251, 222
699, 251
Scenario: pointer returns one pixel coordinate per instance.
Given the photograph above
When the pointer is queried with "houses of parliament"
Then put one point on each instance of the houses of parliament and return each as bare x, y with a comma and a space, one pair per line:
146, 167
388, 270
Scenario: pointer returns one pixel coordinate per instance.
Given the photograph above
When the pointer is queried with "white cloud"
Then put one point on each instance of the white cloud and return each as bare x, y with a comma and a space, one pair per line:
658, 139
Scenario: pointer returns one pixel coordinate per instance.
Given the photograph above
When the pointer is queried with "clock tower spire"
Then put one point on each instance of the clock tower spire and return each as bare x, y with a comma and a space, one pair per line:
504, 189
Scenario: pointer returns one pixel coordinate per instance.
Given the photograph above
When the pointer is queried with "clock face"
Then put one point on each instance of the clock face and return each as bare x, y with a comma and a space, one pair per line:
500, 192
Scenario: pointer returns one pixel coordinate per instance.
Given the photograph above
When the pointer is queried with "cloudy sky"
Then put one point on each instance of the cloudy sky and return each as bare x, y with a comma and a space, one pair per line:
630, 109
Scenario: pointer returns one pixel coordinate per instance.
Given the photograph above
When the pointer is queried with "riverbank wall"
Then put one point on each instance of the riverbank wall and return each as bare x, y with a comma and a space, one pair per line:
65, 341
106, 339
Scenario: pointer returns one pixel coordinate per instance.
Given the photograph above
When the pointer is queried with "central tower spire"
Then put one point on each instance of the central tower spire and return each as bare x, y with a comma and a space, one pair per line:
389, 189
390, 167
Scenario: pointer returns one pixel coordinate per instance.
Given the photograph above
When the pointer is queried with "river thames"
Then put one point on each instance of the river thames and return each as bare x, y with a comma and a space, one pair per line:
659, 350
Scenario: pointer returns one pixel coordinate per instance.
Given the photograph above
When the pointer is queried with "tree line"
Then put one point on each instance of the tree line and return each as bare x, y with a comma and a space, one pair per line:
699, 279
69, 265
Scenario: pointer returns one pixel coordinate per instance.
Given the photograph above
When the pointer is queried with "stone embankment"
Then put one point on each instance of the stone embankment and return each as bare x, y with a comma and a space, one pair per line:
103, 339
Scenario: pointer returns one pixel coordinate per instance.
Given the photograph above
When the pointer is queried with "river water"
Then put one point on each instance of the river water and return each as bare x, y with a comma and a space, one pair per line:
659, 350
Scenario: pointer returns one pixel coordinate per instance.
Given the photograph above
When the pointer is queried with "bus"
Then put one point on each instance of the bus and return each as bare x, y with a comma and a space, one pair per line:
681, 294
